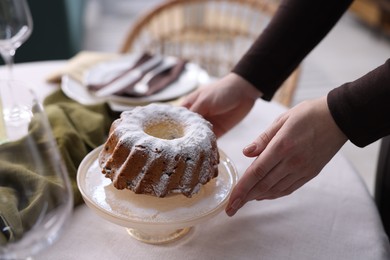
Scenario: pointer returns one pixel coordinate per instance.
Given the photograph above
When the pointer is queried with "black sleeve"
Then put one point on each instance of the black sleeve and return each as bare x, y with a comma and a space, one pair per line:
297, 27
362, 108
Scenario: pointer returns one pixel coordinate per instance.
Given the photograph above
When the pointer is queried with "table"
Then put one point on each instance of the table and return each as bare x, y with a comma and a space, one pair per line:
331, 217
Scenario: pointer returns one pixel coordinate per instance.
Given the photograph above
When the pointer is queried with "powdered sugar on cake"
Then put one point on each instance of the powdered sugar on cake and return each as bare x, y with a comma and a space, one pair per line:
176, 147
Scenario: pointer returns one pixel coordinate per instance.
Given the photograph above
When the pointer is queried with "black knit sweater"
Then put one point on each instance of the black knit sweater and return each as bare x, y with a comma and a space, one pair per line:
360, 108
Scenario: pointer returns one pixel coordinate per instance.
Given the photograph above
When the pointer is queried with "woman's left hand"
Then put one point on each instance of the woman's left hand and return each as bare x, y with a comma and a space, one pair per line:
292, 151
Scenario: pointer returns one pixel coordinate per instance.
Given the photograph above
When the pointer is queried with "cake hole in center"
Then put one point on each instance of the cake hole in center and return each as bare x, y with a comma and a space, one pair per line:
168, 129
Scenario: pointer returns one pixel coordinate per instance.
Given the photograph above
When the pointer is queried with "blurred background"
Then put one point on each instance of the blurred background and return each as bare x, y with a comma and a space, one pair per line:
359, 43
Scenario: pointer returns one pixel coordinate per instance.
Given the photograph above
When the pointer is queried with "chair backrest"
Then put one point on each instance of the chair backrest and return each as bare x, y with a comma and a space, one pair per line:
382, 183
213, 33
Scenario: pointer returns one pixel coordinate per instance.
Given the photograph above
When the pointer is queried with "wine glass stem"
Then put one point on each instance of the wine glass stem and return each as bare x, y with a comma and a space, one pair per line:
8, 57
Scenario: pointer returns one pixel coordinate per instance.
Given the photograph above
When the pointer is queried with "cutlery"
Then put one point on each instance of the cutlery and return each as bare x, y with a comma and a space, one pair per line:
129, 78
105, 72
143, 85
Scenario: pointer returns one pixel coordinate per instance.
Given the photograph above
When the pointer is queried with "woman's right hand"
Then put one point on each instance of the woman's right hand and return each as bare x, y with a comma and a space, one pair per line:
224, 103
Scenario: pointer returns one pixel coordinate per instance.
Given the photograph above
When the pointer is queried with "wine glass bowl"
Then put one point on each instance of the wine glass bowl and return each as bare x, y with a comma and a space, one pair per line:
15, 27
35, 191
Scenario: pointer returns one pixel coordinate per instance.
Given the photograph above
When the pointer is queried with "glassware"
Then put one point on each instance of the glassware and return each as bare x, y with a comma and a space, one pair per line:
151, 219
15, 28
35, 191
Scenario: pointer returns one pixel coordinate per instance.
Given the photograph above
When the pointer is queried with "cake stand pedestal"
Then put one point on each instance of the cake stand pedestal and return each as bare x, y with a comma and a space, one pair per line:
150, 219
154, 237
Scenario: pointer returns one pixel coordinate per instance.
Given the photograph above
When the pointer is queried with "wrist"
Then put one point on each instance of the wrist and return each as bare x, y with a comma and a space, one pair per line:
339, 134
248, 89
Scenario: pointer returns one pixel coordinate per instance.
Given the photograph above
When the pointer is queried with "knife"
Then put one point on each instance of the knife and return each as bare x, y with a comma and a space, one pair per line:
129, 78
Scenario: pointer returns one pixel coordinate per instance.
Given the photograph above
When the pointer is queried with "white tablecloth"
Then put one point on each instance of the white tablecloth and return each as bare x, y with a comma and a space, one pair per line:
331, 217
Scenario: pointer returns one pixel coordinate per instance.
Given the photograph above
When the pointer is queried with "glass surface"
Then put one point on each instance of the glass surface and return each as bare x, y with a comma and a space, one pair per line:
35, 192
151, 219
15, 28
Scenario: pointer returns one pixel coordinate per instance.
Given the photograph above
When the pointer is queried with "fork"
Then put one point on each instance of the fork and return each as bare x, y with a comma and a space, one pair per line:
143, 85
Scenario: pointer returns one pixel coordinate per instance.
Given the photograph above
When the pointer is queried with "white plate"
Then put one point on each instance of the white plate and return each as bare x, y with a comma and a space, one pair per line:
190, 79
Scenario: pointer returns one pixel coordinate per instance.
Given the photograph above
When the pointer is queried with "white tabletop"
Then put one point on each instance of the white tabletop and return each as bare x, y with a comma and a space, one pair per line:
331, 217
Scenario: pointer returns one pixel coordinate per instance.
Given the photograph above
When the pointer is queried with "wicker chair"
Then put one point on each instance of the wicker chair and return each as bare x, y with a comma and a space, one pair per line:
213, 33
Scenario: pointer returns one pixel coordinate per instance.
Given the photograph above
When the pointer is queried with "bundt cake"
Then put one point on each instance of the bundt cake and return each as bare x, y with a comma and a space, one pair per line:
160, 149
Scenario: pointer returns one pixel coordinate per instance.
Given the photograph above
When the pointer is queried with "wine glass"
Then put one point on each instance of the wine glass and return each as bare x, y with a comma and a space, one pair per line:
15, 27
35, 192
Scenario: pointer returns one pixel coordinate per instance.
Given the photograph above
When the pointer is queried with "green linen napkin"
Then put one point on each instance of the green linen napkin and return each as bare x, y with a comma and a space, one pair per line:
78, 130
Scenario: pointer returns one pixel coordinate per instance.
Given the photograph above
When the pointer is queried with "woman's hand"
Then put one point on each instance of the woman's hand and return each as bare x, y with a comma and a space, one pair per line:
292, 151
224, 103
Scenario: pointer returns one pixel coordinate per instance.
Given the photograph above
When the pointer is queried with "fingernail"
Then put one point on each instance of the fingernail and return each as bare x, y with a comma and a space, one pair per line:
250, 148
236, 204
233, 207
231, 212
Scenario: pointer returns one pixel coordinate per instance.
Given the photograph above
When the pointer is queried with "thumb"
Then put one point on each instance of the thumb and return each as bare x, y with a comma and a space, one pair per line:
260, 143
189, 100
195, 103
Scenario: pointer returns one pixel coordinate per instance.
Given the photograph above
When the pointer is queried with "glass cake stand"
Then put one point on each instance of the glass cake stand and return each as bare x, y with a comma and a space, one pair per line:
150, 219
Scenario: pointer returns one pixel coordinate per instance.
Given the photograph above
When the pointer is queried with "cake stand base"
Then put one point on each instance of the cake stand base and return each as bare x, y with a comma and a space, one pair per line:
161, 238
